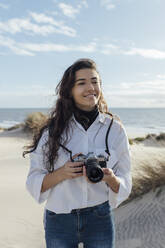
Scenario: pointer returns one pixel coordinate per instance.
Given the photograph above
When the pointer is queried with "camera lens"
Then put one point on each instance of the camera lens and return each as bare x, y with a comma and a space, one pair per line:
94, 173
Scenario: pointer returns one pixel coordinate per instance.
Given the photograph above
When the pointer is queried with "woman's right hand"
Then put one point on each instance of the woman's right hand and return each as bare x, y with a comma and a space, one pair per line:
72, 170
67, 171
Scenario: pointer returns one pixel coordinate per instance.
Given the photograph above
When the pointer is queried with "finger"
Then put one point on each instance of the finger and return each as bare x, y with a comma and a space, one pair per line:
74, 175
78, 169
76, 164
76, 155
84, 171
79, 174
105, 170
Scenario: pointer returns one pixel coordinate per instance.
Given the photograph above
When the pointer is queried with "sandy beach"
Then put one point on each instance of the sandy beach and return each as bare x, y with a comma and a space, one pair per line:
139, 223
21, 217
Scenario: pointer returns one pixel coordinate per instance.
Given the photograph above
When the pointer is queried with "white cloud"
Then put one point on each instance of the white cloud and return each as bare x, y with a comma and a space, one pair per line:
134, 88
47, 47
33, 90
44, 47
42, 18
19, 25
84, 3
110, 49
107, 4
68, 10
13, 46
144, 93
4, 6
29, 96
147, 53
30, 49
91, 47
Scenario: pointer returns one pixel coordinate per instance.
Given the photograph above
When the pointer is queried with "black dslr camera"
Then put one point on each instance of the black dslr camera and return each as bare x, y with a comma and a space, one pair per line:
93, 165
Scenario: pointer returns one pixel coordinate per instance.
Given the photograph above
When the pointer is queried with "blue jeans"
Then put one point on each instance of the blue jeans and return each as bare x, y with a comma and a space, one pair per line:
93, 226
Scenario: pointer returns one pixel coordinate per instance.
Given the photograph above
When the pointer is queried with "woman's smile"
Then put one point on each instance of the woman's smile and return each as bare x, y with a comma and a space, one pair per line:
90, 95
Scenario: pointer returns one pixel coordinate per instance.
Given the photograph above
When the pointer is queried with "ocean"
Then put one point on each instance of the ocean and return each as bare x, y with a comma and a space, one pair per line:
136, 120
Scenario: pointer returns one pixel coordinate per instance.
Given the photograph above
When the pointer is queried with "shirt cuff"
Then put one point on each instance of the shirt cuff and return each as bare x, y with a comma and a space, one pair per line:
35, 189
115, 199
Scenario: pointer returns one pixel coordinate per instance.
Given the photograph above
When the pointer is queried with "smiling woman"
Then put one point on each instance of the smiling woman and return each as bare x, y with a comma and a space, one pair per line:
70, 166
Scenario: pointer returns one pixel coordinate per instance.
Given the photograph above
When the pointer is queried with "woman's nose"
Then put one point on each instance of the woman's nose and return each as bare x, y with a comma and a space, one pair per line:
90, 86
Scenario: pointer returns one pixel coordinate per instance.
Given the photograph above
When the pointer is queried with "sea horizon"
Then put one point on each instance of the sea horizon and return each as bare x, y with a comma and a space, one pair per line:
139, 121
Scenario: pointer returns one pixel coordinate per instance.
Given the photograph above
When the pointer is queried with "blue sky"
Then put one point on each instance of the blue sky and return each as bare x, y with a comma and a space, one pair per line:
40, 39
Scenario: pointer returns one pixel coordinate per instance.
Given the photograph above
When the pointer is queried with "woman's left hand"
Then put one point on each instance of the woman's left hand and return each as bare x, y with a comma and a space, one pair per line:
108, 173
111, 180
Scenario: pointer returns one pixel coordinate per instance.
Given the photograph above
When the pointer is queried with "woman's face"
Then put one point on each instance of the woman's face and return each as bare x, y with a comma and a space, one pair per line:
86, 91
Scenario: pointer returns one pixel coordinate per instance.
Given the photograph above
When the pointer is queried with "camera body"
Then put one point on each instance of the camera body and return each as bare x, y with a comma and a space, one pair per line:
93, 165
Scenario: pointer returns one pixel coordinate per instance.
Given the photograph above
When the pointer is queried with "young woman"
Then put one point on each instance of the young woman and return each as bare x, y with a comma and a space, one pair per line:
80, 197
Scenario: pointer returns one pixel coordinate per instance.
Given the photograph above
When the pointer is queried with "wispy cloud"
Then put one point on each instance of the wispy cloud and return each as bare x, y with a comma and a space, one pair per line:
83, 3
42, 18
39, 97
110, 49
49, 26
144, 93
147, 53
13, 46
108, 4
134, 88
33, 90
30, 49
4, 6
68, 10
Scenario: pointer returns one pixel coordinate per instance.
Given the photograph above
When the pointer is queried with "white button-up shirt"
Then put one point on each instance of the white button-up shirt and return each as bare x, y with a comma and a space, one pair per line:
78, 193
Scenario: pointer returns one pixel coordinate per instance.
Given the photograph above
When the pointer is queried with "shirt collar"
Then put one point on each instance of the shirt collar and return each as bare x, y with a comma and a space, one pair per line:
100, 118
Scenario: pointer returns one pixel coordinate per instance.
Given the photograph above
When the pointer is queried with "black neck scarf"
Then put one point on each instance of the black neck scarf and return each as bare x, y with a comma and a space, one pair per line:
86, 118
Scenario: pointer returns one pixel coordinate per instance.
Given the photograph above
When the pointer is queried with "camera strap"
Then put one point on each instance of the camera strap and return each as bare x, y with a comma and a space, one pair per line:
106, 143
66, 149
106, 138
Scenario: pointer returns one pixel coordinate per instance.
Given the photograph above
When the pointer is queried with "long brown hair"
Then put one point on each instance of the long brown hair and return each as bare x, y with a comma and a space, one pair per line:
59, 117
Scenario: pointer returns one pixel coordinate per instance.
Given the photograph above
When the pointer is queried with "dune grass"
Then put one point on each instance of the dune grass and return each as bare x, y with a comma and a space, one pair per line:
146, 177
20, 125
34, 122
153, 137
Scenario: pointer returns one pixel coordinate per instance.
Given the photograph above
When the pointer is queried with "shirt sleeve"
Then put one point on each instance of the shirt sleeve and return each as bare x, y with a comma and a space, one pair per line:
37, 173
122, 169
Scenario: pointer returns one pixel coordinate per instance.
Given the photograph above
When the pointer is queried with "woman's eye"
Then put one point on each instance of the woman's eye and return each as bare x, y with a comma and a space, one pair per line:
94, 82
81, 83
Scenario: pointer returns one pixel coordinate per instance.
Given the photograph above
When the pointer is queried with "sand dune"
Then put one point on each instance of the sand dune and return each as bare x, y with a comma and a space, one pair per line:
139, 223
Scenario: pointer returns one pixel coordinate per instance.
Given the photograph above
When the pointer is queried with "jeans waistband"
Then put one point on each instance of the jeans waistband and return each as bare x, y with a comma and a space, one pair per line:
80, 210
